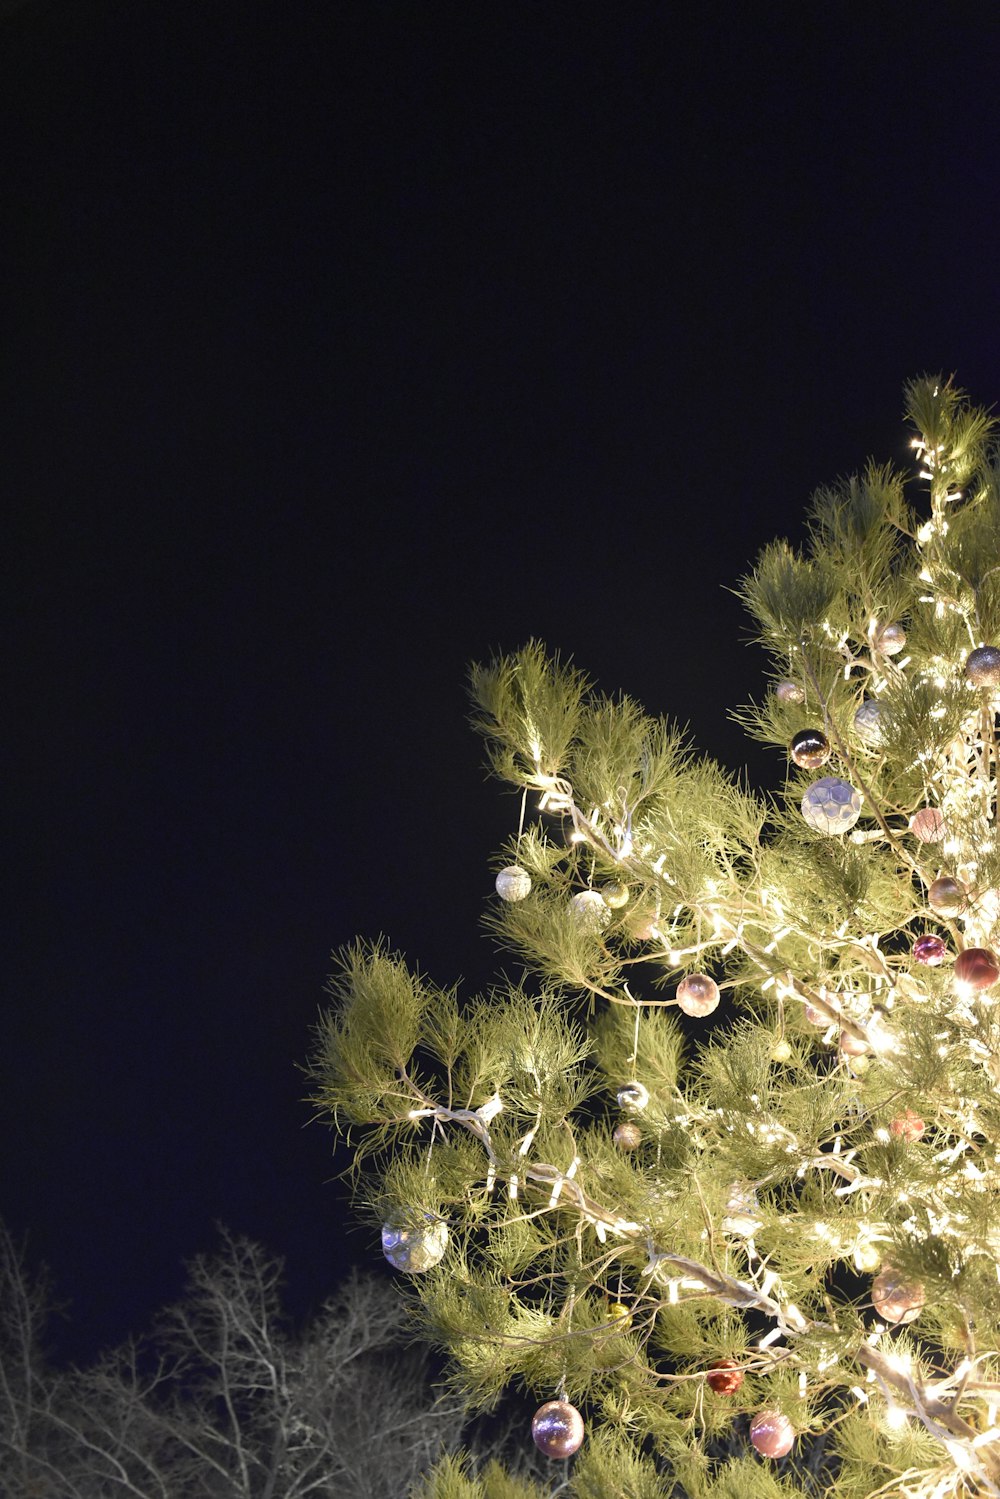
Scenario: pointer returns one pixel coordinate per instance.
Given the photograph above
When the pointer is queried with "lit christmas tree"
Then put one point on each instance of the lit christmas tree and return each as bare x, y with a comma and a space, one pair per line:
727, 1166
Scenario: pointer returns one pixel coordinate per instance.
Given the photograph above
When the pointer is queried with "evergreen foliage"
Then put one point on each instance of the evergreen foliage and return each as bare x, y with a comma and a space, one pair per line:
836, 1116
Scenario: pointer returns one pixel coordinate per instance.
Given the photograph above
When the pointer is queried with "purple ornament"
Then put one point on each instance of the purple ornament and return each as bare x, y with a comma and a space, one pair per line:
929, 949
557, 1428
772, 1433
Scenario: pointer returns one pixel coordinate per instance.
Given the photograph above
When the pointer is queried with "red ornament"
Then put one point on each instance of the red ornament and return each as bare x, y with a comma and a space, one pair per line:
894, 1297
557, 1429
977, 967
697, 994
772, 1433
909, 1126
724, 1376
929, 949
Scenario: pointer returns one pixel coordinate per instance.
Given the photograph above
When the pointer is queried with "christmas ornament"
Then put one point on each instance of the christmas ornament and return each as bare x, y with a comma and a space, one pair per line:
724, 1376
416, 1247
513, 883
866, 1257
815, 1016
831, 806
781, 1051
614, 895
620, 1315
946, 896
633, 1096
977, 967
895, 1298
789, 692
627, 1136
772, 1434
927, 825
697, 994
852, 1045
891, 639
557, 1428
909, 1126
589, 909
810, 749
859, 1065
929, 949
868, 722
741, 1211
982, 666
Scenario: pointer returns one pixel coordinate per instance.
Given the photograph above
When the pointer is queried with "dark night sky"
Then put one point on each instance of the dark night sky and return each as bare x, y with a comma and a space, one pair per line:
342, 344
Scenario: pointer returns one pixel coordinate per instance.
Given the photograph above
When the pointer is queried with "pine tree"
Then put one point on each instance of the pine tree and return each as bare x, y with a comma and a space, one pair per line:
725, 1165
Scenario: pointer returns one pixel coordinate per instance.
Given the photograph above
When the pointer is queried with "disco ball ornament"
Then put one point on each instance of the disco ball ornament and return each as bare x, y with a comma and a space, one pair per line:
894, 1297
852, 1045
891, 639
772, 1434
909, 1126
557, 1429
627, 1136
927, 825
634, 1097
831, 806
724, 1376
809, 749
742, 1208
697, 994
589, 909
977, 967
414, 1248
789, 692
615, 895
868, 723
620, 1315
929, 949
946, 896
513, 883
982, 666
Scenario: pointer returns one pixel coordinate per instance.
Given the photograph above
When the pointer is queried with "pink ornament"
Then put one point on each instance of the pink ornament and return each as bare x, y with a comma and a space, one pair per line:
815, 1016
927, 825
557, 1429
909, 1126
929, 949
977, 967
895, 1298
697, 994
772, 1433
852, 1045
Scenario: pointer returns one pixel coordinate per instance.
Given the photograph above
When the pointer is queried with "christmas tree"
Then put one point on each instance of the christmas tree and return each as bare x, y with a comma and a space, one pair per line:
724, 1164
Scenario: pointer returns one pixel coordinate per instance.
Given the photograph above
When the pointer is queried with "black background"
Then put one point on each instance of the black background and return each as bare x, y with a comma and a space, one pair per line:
344, 344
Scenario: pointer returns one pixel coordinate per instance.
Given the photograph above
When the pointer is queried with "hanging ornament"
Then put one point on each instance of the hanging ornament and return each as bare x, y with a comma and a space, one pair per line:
633, 1096
810, 749
895, 1298
909, 1126
789, 692
557, 1429
982, 666
868, 723
724, 1376
627, 1136
741, 1211
614, 894
929, 949
815, 1015
891, 639
513, 883
946, 896
852, 1045
927, 825
781, 1051
831, 806
589, 909
977, 967
620, 1315
416, 1247
772, 1434
866, 1256
697, 994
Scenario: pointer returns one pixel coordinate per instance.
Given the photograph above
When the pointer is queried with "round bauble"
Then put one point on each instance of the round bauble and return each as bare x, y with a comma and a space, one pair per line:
978, 967
620, 1315
909, 1126
781, 1051
772, 1434
633, 1096
513, 883
852, 1045
831, 806
589, 909
946, 896
927, 825
615, 895
868, 723
894, 1297
809, 749
982, 666
724, 1376
557, 1429
891, 639
789, 692
627, 1136
814, 1015
697, 994
859, 1065
866, 1257
415, 1247
929, 949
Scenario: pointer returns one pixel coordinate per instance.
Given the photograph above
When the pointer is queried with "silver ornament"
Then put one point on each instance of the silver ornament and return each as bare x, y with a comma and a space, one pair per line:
415, 1247
513, 883
789, 692
590, 910
891, 639
831, 806
982, 666
633, 1096
867, 723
